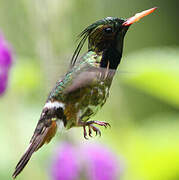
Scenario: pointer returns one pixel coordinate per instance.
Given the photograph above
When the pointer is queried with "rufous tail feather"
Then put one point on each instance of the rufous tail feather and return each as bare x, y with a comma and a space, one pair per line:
37, 141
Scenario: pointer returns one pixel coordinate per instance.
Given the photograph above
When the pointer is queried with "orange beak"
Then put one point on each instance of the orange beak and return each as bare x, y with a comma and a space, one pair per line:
138, 16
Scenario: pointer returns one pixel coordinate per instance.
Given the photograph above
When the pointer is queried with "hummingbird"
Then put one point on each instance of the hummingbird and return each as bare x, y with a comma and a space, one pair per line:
84, 89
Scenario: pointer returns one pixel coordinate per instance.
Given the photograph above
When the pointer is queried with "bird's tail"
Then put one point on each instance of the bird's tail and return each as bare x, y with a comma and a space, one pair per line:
36, 142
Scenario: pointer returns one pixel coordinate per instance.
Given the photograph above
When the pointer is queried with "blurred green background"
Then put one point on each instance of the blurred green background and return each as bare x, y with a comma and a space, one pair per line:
143, 108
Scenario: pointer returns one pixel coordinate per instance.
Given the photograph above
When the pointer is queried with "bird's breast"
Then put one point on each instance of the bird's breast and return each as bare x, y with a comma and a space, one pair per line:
85, 102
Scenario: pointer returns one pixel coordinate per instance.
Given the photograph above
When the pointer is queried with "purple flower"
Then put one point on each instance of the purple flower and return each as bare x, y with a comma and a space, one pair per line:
65, 165
90, 162
5, 63
102, 164
3, 82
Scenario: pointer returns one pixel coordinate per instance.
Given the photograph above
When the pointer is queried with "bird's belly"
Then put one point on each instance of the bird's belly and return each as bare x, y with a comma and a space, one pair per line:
92, 102
85, 103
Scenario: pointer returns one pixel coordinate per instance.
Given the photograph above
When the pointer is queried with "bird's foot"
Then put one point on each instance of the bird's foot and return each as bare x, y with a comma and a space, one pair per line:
91, 127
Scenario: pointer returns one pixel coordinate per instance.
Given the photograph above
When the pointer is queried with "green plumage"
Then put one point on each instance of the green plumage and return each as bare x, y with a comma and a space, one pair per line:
84, 89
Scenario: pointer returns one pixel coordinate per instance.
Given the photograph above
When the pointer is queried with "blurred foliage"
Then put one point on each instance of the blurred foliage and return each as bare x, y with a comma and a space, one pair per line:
144, 101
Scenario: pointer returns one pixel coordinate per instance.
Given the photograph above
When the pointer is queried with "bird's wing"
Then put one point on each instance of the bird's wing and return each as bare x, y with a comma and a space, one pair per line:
85, 72
87, 76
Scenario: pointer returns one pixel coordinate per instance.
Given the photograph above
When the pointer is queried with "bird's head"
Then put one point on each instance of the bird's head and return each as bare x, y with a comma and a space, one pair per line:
107, 34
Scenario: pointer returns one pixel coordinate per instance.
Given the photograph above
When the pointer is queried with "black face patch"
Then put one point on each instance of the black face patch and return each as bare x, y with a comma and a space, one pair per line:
60, 115
111, 57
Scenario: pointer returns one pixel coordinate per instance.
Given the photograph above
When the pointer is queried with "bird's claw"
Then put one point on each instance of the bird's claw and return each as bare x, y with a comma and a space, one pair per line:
105, 124
84, 132
90, 125
96, 130
90, 131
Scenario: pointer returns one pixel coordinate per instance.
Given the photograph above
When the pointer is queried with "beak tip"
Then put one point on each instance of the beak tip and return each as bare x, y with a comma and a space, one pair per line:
138, 16
155, 7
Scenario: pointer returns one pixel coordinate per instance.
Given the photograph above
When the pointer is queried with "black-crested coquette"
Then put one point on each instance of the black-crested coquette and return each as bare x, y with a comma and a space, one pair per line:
85, 87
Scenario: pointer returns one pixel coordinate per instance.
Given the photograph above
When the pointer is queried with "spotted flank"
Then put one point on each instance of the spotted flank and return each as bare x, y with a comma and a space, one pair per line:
92, 100
55, 104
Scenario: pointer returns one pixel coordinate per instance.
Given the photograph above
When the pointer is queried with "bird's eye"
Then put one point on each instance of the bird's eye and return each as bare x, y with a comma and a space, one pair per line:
108, 30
